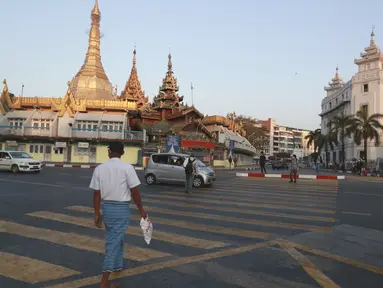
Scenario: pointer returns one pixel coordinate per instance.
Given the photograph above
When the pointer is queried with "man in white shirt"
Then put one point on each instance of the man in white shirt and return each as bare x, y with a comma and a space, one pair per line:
115, 182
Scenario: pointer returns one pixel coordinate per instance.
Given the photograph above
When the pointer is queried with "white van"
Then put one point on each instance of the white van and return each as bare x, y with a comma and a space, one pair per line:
18, 161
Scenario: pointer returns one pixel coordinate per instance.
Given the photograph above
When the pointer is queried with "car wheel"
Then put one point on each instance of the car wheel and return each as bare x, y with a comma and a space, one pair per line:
198, 182
150, 179
15, 168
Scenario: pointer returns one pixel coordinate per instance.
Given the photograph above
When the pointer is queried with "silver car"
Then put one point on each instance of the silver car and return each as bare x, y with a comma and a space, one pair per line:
168, 167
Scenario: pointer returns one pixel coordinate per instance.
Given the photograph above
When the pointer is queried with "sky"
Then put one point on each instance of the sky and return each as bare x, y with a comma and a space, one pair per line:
265, 59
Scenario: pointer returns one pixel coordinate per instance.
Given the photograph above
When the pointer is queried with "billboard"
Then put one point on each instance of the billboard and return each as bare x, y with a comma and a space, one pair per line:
172, 144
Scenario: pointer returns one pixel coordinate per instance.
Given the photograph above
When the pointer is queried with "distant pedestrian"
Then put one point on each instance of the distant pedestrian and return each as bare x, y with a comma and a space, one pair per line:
235, 160
230, 159
190, 171
262, 163
294, 169
115, 183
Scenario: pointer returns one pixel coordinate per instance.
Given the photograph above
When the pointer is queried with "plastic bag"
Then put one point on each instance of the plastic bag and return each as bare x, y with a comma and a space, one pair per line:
147, 229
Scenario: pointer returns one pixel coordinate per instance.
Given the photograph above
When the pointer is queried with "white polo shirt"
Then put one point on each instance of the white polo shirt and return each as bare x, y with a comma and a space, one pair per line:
114, 179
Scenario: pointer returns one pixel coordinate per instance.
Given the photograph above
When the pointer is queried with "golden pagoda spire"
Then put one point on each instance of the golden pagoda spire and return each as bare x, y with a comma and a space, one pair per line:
170, 65
134, 56
91, 81
372, 41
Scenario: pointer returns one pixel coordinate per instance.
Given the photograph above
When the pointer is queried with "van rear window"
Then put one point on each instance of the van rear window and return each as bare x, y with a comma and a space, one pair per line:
160, 159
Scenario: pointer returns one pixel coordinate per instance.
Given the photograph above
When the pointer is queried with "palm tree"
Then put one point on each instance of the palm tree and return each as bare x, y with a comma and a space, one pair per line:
366, 128
312, 138
342, 126
326, 141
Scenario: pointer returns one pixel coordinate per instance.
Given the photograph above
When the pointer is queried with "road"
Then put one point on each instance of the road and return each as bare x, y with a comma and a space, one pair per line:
239, 233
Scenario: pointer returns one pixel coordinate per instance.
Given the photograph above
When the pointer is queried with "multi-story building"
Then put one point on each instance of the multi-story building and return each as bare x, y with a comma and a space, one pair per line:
286, 139
363, 91
336, 102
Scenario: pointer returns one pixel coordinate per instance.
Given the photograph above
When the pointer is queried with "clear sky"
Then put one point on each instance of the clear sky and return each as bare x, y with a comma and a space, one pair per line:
240, 55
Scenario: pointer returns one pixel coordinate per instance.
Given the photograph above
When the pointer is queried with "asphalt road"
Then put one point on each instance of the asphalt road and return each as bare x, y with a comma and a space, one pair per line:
239, 233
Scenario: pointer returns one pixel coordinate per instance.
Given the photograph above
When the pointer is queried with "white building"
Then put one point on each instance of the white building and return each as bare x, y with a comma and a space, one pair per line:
286, 139
336, 102
364, 91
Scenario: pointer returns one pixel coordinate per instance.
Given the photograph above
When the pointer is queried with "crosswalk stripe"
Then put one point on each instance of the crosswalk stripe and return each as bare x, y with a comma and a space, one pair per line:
266, 194
200, 227
78, 241
30, 270
242, 211
191, 197
308, 191
222, 218
294, 186
321, 182
158, 235
210, 194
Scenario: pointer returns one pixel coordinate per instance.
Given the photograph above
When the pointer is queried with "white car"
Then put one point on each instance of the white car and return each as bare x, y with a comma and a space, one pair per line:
18, 161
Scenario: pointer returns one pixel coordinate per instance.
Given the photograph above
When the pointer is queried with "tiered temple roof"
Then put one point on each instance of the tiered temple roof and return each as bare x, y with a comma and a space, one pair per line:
372, 52
336, 82
168, 96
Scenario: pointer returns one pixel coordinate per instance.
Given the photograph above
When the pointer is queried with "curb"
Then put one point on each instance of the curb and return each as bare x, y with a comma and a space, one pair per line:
252, 168
313, 177
78, 166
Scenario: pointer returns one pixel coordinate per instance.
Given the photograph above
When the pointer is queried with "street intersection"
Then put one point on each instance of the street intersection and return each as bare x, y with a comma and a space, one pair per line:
241, 232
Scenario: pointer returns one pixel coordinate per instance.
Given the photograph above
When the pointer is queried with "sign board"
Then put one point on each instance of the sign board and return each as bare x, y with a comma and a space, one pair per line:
60, 145
11, 143
83, 145
172, 144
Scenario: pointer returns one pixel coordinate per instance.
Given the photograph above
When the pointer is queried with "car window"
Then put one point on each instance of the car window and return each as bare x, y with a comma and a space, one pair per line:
176, 160
160, 159
4, 155
20, 155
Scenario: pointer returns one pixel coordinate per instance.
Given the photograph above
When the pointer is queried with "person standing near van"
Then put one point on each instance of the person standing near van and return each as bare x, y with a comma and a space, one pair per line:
190, 170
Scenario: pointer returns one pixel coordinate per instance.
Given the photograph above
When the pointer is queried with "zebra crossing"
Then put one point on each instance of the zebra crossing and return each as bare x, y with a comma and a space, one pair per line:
229, 216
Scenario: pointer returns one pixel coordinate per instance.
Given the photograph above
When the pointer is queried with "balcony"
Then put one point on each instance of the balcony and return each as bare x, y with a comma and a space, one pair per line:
10, 130
85, 133
38, 131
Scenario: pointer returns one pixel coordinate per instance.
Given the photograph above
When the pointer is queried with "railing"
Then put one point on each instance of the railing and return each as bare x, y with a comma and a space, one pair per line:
38, 131
85, 133
11, 130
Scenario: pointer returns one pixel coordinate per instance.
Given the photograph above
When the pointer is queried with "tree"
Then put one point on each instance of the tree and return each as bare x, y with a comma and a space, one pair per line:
312, 138
326, 141
342, 127
366, 128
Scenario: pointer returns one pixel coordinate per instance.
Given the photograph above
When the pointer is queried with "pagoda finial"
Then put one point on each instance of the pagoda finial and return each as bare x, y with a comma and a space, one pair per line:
372, 41
170, 65
134, 56
337, 72
96, 10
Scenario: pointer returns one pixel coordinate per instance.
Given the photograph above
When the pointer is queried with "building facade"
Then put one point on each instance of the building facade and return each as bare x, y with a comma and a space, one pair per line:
77, 127
363, 91
286, 139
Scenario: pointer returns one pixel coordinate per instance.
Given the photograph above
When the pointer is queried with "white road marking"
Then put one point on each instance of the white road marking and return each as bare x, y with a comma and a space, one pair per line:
356, 213
364, 194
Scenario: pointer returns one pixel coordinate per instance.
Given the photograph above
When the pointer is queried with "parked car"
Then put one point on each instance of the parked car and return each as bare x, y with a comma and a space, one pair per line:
168, 167
18, 161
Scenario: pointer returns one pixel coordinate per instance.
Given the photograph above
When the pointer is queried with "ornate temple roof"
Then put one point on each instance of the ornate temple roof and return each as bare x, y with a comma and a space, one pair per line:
91, 82
372, 52
168, 96
336, 82
133, 90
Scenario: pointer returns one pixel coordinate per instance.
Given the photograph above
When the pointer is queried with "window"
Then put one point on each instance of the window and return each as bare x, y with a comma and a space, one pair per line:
78, 126
42, 125
89, 126
30, 148
365, 108
120, 127
41, 149
4, 155
110, 127
47, 126
95, 126
59, 151
48, 149
160, 159
367, 66
84, 126
342, 97
365, 88
336, 101
104, 128
36, 149
330, 105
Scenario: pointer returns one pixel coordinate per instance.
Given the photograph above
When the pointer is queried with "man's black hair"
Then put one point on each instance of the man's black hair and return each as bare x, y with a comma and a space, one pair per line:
116, 147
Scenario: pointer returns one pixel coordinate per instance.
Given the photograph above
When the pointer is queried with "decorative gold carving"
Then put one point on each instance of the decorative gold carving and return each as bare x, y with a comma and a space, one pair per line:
5, 89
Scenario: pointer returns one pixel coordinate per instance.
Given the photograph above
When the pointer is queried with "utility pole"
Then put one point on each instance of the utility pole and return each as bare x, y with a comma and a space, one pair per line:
22, 90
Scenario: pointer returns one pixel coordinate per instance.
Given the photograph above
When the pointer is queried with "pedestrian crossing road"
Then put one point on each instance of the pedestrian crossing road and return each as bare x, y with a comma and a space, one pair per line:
58, 245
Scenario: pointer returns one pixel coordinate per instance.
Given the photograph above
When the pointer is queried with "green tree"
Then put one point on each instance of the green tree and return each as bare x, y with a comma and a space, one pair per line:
326, 142
366, 128
342, 127
312, 138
